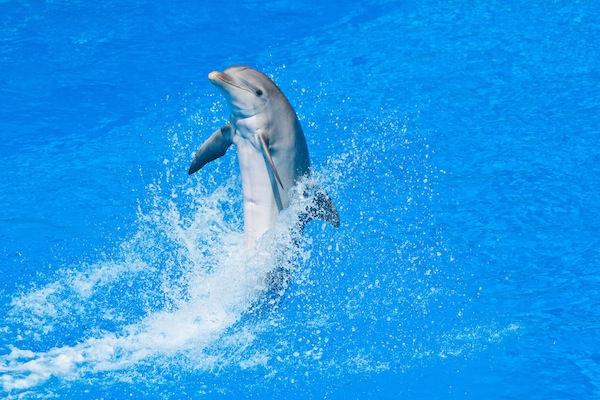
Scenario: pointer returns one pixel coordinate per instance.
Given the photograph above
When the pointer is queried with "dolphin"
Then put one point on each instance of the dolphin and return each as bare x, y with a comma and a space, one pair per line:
271, 147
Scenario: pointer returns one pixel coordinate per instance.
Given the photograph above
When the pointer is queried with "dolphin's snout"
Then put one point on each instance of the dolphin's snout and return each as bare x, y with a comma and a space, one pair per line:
219, 78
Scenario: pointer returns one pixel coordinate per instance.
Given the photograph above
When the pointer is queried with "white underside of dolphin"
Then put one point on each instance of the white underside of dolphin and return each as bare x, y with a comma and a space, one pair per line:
271, 147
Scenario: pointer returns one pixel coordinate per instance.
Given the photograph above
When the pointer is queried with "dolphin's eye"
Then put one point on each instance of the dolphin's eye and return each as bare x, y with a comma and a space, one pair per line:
259, 92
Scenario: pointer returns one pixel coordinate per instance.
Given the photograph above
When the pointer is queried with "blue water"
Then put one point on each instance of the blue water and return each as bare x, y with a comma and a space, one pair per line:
457, 139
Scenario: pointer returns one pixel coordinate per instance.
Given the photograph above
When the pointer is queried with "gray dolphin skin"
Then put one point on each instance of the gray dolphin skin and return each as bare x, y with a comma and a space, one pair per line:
271, 147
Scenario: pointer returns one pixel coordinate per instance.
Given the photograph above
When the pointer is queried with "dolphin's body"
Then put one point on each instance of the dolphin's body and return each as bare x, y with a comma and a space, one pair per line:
272, 150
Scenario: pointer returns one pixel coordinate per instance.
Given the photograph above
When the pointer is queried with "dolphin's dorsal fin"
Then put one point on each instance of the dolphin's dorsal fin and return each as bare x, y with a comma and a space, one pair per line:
214, 147
263, 142
322, 207
327, 210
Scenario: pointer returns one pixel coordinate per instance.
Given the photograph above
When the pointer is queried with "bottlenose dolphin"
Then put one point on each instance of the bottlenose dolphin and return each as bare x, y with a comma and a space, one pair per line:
271, 147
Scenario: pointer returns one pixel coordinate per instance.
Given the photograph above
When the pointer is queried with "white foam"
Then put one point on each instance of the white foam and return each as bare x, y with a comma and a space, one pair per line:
219, 280
177, 293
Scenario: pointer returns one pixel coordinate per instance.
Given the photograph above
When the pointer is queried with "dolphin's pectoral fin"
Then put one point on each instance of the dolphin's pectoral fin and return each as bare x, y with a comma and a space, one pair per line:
321, 207
214, 147
265, 147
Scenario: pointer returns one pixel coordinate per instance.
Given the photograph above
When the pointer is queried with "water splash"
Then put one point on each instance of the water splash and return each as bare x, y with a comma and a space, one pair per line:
181, 300
181, 282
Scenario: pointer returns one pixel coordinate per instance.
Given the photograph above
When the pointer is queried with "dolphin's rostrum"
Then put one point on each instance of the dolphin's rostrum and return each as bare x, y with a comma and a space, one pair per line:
272, 150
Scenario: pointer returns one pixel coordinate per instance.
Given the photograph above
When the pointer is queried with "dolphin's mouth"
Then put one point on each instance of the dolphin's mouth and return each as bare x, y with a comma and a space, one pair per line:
222, 79
216, 78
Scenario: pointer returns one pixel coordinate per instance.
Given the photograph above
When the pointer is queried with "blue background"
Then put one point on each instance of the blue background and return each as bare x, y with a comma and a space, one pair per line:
458, 140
